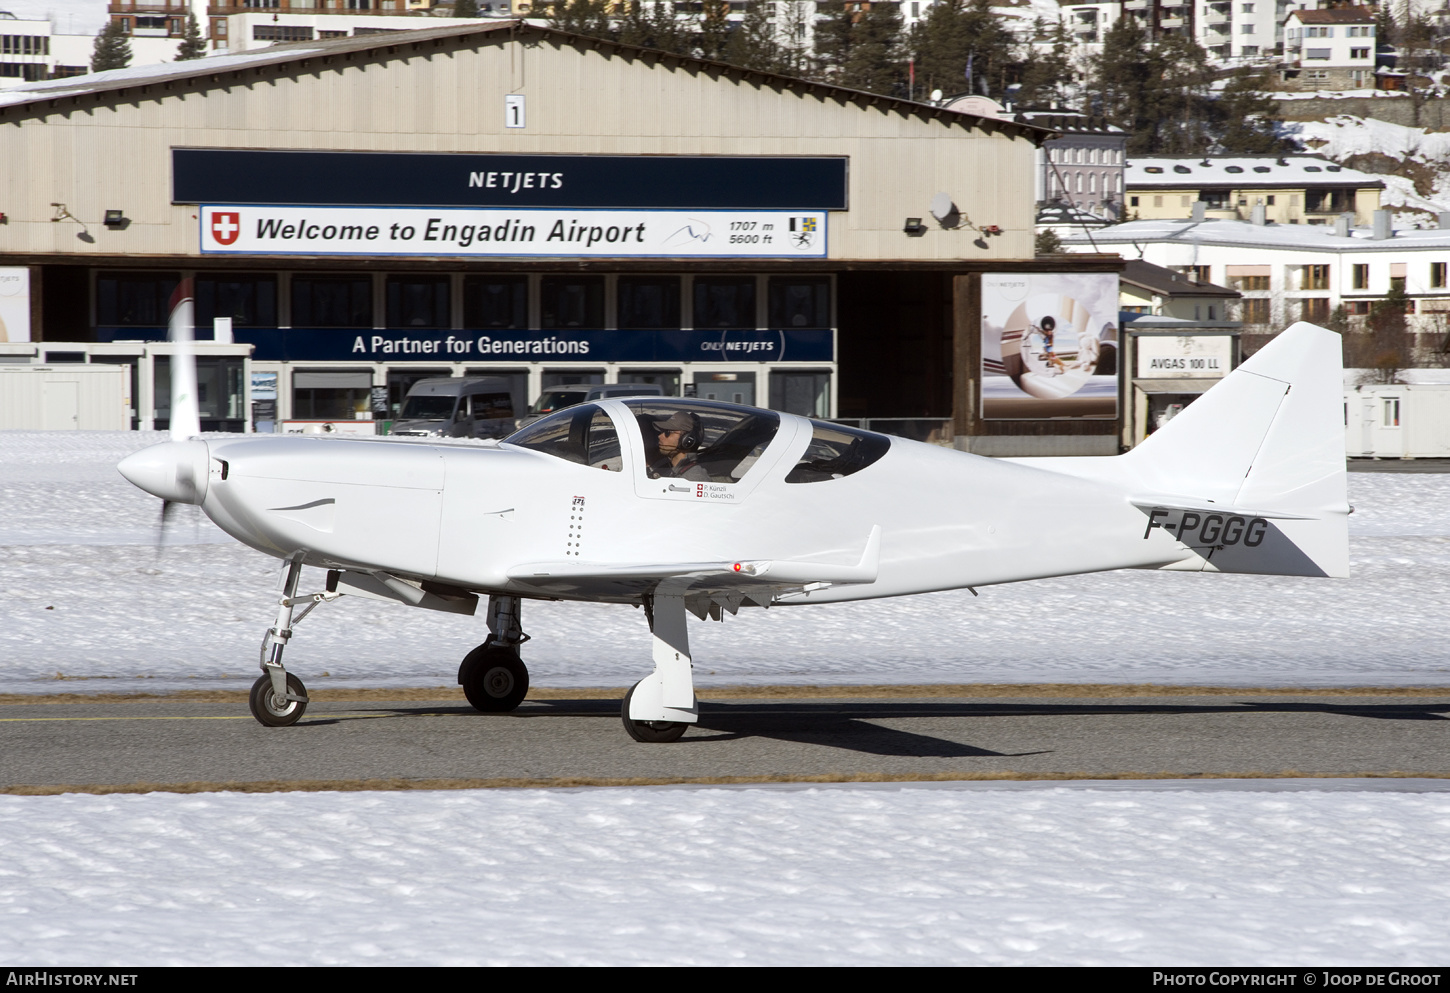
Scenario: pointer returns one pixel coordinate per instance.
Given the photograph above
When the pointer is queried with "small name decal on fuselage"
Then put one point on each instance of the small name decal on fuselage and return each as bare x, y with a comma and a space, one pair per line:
1208, 529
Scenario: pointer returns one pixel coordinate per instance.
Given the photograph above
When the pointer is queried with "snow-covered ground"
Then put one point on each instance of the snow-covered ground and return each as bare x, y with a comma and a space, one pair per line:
1346, 136
87, 597
821, 876
1220, 873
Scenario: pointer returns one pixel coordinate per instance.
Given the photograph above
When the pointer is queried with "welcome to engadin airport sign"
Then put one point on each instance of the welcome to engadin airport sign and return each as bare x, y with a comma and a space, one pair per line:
312, 231
276, 201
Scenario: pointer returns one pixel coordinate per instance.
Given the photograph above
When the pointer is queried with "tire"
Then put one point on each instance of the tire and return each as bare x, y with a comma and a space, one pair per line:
494, 679
650, 731
274, 713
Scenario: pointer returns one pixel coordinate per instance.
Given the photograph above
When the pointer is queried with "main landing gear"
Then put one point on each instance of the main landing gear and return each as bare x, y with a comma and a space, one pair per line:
662, 706
278, 698
493, 677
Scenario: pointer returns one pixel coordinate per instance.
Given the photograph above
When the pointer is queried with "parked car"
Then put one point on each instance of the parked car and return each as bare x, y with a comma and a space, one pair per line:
558, 397
454, 407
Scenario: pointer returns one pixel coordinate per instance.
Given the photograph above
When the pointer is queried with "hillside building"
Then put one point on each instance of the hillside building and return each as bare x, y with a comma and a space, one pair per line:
1290, 189
1329, 49
1286, 273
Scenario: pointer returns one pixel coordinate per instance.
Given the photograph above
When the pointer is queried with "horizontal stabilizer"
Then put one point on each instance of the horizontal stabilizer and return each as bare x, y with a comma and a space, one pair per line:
1202, 506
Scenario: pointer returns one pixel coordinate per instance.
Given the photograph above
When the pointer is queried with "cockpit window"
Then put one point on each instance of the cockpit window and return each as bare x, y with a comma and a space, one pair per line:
583, 434
684, 440
837, 451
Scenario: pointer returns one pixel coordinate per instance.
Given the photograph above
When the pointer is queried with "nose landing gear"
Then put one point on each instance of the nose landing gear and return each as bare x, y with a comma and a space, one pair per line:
278, 698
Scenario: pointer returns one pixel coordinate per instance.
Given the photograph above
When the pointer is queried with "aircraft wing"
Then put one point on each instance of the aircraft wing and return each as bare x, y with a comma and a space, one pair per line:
757, 580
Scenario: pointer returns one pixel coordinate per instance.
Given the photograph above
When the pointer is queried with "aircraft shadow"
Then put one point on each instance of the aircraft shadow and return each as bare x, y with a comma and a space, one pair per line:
844, 732
852, 725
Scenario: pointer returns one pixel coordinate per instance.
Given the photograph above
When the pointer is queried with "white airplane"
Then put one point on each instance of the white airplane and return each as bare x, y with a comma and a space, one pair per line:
686, 506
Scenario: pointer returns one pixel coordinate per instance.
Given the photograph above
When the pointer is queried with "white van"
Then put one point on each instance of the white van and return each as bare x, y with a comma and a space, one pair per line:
459, 407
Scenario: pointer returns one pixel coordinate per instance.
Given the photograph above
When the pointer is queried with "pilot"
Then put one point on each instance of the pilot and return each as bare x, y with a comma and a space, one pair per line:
677, 436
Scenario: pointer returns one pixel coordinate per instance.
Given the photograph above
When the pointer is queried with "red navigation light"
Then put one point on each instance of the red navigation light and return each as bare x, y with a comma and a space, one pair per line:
737, 566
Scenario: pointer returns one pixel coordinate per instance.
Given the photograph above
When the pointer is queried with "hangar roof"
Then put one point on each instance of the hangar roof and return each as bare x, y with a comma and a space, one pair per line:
219, 70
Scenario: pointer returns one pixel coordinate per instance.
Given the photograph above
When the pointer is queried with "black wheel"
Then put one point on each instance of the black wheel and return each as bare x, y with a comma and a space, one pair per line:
275, 713
494, 679
661, 731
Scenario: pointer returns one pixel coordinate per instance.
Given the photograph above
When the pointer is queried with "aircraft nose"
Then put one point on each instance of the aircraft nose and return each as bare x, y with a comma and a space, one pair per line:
175, 471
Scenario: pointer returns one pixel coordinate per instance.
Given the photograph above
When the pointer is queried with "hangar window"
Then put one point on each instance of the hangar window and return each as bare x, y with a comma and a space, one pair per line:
702, 441
797, 302
417, 301
725, 302
495, 302
327, 395
135, 299
249, 299
572, 301
332, 301
835, 452
649, 302
583, 434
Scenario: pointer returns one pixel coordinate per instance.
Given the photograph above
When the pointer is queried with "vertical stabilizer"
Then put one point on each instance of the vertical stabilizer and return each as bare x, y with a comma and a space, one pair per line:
1269, 436
1265, 445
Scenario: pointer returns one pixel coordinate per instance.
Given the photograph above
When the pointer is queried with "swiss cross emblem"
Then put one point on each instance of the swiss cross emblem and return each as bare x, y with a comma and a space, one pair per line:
225, 226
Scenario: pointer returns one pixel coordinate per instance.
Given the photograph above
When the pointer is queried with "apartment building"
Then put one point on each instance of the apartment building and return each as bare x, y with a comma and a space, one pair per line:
1329, 49
1288, 273
1291, 189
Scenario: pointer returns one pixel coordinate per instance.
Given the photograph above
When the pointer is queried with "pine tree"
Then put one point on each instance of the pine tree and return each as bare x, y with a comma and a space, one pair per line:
112, 49
192, 46
1158, 93
1245, 119
1047, 242
652, 24
465, 8
876, 61
958, 33
753, 44
586, 17
715, 29
1046, 75
791, 19
834, 21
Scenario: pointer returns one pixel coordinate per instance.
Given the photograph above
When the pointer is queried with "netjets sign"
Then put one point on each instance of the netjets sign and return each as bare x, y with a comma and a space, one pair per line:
312, 231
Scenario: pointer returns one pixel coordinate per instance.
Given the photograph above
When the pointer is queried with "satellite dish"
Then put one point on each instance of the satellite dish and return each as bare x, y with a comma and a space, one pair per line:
942, 206
936, 96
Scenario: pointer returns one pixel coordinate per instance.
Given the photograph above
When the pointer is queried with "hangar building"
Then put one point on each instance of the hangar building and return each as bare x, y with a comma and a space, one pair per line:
509, 199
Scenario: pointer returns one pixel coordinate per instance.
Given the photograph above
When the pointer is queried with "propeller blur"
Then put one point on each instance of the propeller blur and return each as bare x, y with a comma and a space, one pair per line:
686, 506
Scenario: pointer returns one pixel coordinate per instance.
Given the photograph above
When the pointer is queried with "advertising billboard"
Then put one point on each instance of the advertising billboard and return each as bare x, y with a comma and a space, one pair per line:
1049, 345
14, 304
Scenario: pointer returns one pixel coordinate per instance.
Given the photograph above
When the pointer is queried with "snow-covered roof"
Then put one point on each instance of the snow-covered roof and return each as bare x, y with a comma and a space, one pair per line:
1070, 122
1243, 171
1057, 212
1305, 237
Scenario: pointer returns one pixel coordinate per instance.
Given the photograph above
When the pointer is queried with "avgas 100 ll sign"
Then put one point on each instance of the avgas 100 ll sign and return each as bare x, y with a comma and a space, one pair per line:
249, 230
